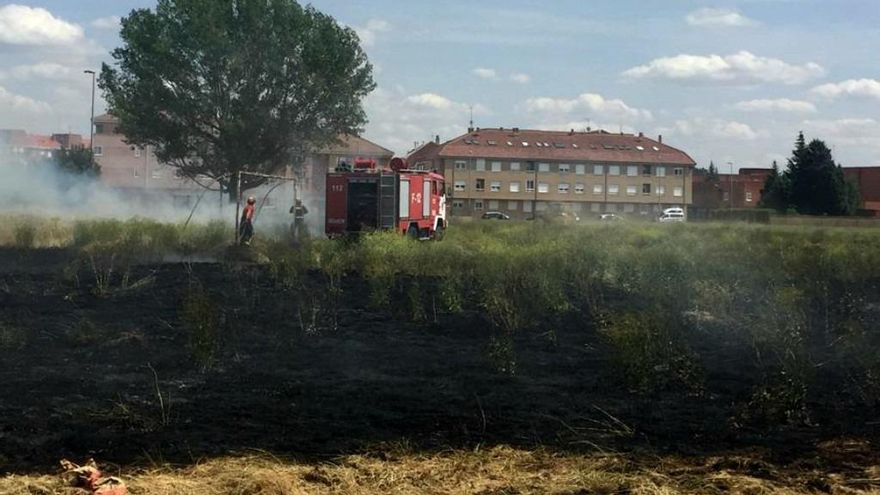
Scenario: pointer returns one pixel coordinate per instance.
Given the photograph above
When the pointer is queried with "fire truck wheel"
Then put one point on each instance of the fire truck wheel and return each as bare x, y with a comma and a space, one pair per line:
412, 232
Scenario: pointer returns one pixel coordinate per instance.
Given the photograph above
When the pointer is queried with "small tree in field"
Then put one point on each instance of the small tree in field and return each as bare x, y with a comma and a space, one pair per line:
775, 192
223, 86
817, 184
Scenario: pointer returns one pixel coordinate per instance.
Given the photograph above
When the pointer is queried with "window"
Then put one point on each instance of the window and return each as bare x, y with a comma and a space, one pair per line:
629, 208
513, 205
99, 128
579, 188
530, 166
514, 187
598, 170
481, 184
678, 192
661, 190
543, 167
598, 189
678, 171
514, 166
98, 150
137, 172
580, 169
495, 186
564, 188
661, 171
748, 197
631, 190
595, 207
478, 204
157, 174
460, 165
460, 185
458, 204
494, 205
137, 152
543, 187
646, 188
632, 171
613, 189
564, 168
646, 170
530, 186
613, 170
541, 206
527, 206
726, 196
481, 165
496, 166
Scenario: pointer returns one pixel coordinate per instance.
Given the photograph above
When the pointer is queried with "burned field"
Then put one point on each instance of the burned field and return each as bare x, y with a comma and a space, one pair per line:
346, 350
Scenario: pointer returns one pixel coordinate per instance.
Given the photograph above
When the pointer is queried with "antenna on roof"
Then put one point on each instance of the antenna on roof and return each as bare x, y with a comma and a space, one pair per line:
471, 125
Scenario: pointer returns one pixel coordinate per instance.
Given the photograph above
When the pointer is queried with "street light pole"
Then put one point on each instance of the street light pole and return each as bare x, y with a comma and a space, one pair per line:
92, 120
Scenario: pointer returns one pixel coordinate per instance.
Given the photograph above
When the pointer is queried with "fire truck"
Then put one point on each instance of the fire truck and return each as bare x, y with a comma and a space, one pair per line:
365, 198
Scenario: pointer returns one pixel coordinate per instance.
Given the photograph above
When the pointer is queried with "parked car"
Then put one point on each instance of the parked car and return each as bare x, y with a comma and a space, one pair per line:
610, 217
671, 215
495, 215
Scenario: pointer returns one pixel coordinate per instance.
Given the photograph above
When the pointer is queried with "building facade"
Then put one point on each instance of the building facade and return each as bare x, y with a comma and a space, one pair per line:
867, 179
736, 191
525, 172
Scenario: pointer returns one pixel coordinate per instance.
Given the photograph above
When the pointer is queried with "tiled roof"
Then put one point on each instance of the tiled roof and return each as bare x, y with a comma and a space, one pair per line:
355, 145
596, 146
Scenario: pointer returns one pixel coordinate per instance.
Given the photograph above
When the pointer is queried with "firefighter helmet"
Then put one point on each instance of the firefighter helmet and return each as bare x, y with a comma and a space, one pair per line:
251, 200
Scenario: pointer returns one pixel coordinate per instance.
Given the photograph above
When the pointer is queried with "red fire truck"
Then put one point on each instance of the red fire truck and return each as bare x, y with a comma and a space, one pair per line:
365, 198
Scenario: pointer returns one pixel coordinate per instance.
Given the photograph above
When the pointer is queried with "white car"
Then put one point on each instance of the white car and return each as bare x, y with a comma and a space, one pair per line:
672, 215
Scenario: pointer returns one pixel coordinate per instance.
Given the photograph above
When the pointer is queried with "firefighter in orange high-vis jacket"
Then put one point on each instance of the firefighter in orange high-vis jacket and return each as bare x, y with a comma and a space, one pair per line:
246, 226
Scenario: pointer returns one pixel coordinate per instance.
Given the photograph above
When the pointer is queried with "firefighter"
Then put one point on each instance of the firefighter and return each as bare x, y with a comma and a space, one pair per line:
246, 226
298, 228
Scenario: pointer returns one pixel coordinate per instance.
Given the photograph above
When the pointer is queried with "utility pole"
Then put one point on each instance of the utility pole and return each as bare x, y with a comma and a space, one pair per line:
92, 119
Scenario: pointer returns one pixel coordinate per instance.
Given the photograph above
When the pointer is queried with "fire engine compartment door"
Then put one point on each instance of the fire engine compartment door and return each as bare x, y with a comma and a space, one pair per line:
404, 199
426, 199
363, 204
388, 201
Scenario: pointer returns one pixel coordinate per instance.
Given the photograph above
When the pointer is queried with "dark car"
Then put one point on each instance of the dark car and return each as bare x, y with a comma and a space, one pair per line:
495, 215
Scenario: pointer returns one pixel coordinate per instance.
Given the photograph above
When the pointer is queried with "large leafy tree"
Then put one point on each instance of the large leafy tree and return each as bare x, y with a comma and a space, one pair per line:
222, 86
817, 184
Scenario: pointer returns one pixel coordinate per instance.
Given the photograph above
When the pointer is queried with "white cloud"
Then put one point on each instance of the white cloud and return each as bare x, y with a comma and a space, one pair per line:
44, 70
596, 106
711, 128
709, 17
741, 67
521, 78
22, 25
110, 23
369, 33
484, 73
778, 105
867, 88
398, 119
851, 132
11, 103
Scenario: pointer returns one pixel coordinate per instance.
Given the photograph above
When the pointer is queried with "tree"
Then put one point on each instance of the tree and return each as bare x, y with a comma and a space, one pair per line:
713, 172
817, 184
77, 162
223, 86
775, 192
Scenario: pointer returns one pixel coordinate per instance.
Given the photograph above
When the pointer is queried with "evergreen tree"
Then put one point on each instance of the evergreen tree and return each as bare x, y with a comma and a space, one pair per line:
713, 172
817, 185
775, 192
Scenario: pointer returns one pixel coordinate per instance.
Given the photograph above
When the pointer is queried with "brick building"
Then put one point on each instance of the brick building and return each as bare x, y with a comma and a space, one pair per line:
516, 171
737, 191
868, 181
17, 142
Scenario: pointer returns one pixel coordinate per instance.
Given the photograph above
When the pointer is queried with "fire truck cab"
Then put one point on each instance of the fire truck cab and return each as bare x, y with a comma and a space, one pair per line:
365, 198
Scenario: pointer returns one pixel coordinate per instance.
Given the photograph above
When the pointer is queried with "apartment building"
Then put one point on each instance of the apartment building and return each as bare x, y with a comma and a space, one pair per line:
525, 172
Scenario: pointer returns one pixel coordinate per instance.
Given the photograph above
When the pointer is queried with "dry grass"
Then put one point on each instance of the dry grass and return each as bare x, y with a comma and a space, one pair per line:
496, 471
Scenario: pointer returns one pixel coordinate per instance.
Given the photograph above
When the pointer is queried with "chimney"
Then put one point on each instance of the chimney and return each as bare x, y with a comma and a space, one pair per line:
516, 130
660, 139
470, 130
571, 132
437, 139
641, 134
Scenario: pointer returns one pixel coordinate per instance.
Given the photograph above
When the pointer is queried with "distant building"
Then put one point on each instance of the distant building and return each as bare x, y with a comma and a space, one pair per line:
742, 190
70, 141
868, 181
519, 172
19, 142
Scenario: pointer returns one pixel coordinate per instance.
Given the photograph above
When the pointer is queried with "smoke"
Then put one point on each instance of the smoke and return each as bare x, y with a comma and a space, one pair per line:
37, 186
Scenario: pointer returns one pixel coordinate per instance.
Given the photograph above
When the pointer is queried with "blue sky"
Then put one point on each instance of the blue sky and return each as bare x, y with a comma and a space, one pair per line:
729, 81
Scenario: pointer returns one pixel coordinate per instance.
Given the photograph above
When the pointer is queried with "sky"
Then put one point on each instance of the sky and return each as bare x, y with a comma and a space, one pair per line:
726, 81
